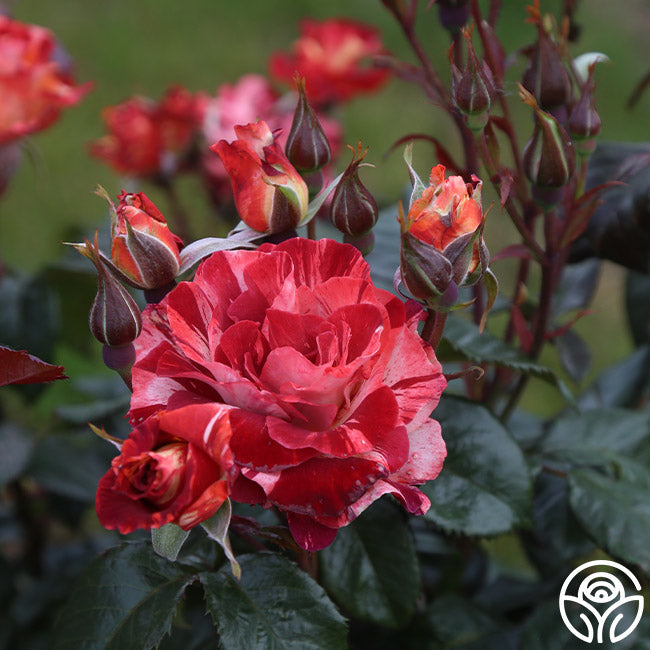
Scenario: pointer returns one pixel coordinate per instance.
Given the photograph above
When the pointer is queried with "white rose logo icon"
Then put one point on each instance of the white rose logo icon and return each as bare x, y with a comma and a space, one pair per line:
601, 609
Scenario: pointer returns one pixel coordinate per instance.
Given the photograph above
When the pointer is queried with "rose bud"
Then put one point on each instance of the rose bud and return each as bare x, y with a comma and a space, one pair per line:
114, 316
453, 14
173, 468
545, 76
270, 194
548, 156
495, 54
442, 241
473, 87
584, 121
307, 146
143, 250
353, 209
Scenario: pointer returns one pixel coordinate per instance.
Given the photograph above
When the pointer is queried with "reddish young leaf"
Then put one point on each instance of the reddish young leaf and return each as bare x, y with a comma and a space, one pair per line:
20, 367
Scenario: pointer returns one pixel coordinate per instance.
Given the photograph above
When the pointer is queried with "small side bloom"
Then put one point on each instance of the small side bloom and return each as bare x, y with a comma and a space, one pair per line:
173, 468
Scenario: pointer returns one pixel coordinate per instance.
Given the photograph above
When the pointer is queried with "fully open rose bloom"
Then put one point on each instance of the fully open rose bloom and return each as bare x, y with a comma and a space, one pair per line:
35, 80
329, 384
334, 58
173, 468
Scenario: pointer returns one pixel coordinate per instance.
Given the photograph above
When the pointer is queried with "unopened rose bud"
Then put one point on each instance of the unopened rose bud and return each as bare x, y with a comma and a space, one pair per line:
363, 243
442, 240
548, 157
546, 76
472, 88
307, 147
114, 318
353, 210
270, 194
143, 248
584, 121
495, 54
453, 14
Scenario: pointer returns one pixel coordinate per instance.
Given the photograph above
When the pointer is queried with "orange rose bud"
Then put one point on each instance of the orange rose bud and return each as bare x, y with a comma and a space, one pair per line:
270, 194
442, 241
353, 210
307, 148
143, 250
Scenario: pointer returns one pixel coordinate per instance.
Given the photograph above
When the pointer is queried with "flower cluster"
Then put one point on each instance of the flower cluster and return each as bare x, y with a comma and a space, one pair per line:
320, 379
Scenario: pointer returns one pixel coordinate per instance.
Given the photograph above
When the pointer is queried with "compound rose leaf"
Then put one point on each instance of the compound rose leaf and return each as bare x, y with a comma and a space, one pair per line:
484, 487
614, 512
126, 598
371, 569
275, 606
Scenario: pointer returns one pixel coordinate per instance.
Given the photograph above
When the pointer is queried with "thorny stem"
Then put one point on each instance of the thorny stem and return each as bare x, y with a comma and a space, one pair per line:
440, 92
551, 268
509, 205
433, 328
505, 107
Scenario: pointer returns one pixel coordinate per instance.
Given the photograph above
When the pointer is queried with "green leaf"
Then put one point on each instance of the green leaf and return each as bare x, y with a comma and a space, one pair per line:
574, 354
614, 513
274, 606
217, 529
463, 338
168, 540
637, 303
371, 568
126, 598
459, 623
544, 630
621, 384
577, 287
70, 464
557, 537
582, 438
16, 448
29, 315
485, 484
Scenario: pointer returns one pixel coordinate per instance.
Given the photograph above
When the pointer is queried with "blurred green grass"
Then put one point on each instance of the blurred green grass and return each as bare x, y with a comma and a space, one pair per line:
142, 47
